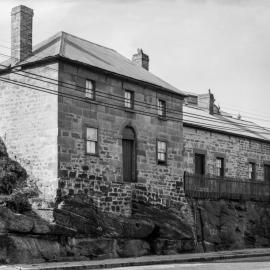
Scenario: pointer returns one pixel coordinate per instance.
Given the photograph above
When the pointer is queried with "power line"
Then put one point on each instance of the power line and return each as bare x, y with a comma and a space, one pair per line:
39, 58
50, 91
138, 102
149, 105
120, 98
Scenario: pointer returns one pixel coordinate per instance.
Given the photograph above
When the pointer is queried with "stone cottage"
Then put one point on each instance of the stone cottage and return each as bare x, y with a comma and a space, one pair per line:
223, 153
83, 119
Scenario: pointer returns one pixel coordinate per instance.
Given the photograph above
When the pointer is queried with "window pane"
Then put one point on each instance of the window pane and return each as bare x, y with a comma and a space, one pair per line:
161, 147
251, 170
128, 99
89, 89
161, 151
161, 156
89, 84
91, 134
161, 107
91, 147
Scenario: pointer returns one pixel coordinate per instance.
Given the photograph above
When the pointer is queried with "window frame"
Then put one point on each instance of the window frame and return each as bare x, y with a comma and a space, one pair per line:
97, 141
93, 90
266, 164
162, 162
131, 99
163, 115
218, 170
253, 166
197, 151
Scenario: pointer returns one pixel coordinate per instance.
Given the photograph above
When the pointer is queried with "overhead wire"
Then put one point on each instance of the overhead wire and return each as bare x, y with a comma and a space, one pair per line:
122, 98
74, 97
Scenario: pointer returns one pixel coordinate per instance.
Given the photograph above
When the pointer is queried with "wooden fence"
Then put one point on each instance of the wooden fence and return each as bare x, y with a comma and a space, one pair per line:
214, 187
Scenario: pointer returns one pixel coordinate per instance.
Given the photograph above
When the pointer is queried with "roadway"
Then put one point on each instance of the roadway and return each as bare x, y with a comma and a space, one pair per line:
255, 263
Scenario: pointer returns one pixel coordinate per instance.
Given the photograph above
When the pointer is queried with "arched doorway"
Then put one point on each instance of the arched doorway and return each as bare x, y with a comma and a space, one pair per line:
129, 154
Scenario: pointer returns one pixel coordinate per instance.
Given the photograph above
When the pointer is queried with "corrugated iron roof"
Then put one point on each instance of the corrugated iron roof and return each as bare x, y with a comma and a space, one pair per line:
196, 116
86, 52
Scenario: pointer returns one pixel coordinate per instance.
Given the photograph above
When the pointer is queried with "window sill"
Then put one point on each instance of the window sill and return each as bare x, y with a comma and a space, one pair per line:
162, 118
92, 155
93, 101
161, 163
130, 110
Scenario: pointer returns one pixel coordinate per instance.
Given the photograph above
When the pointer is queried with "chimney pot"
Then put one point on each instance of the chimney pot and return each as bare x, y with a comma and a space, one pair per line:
141, 59
21, 33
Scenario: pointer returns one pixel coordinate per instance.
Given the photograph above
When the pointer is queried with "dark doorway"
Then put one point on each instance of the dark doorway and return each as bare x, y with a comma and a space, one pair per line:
200, 164
129, 155
267, 173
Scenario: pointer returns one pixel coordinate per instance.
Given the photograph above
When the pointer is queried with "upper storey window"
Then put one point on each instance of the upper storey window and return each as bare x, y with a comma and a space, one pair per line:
91, 141
161, 152
129, 99
251, 170
90, 89
220, 166
161, 108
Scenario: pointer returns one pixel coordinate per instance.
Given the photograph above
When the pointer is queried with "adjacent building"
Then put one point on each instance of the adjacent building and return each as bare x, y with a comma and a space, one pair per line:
227, 154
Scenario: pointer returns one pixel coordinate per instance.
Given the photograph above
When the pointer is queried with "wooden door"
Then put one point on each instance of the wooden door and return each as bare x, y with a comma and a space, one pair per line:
129, 155
199, 164
128, 166
267, 173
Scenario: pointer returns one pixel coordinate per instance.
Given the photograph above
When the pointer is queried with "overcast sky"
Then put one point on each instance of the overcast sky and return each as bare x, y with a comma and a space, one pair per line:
192, 44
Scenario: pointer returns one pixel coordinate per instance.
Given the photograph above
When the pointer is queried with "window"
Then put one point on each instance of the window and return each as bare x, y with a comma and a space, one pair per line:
161, 152
266, 172
251, 170
220, 166
199, 164
161, 108
90, 89
91, 141
129, 99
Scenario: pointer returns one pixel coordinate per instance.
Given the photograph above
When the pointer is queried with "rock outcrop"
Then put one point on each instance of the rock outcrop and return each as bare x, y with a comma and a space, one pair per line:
222, 225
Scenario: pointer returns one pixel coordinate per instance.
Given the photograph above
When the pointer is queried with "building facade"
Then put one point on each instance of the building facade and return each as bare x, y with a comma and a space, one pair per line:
83, 119
220, 148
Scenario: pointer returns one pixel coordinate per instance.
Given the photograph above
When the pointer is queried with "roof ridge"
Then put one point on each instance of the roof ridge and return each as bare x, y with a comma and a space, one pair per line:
83, 39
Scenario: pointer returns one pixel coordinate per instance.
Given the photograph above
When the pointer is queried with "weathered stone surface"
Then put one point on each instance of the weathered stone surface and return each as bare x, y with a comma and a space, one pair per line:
90, 248
232, 225
85, 218
13, 222
169, 223
26, 249
132, 248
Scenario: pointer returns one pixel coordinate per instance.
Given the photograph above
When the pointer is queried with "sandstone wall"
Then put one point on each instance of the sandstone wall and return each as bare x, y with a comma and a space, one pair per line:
237, 152
28, 127
81, 173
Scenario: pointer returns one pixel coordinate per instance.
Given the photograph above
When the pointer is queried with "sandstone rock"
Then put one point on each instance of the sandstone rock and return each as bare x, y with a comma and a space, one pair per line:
84, 218
166, 246
168, 223
13, 222
132, 248
93, 248
23, 249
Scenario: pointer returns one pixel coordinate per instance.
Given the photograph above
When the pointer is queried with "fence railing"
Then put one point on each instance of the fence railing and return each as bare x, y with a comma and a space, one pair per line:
214, 187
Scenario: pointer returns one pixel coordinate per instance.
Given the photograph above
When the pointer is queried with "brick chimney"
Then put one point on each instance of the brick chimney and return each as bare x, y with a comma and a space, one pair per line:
207, 101
141, 59
21, 33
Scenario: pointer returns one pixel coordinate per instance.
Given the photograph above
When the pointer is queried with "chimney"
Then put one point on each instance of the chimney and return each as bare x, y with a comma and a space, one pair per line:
207, 101
211, 102
21, 33
141, 59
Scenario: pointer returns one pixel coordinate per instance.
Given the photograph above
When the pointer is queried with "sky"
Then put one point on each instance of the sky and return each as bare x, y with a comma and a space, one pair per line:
195, 45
